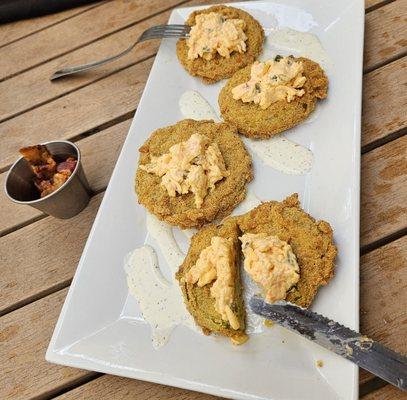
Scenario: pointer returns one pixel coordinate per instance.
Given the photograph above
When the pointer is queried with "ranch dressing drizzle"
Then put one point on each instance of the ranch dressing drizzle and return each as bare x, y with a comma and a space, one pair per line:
297, 43
160, 301
162, 233
194, 106
282, 154
278, 152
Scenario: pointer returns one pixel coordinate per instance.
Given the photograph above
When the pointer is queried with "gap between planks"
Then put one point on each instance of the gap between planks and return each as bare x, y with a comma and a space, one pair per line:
54, 311
394, 68
387, 238
71, 14
377, 5
59, 391
371, 385
12, 75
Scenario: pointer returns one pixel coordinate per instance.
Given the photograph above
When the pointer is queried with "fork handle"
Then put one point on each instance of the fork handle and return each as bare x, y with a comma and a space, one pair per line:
85, 67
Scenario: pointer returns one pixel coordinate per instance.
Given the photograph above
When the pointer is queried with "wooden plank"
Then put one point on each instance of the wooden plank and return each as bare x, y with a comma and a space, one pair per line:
76, 32
383, 300
384, 191
113, 387
22, 347
33, 87
369, 4
384, 97
383, 183
78, 112
388, 392
385, 34
24, 337
16, 30
42, 256
105, 146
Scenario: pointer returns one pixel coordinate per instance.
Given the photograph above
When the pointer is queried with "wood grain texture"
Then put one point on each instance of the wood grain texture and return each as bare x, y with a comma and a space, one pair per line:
382, 204
78, 112
384, 191
113, 387
383, 300
31, 269
77, 115
42, 256
388, 392
384, 98
77, 32
19, 29
383, 185
369, 4
99, 155
33, 87
383, 265
385, 34
24, 337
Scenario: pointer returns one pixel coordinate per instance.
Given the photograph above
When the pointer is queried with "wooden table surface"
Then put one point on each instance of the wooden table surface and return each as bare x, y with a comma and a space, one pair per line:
39, 254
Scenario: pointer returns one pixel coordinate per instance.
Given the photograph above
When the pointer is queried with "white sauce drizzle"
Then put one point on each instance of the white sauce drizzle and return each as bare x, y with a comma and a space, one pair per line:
189, 232
282, 154
162, 233
298, 43
278, 152
194, 106
160, 301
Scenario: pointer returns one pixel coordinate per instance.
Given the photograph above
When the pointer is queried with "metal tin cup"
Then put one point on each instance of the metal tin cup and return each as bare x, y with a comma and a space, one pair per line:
67, 201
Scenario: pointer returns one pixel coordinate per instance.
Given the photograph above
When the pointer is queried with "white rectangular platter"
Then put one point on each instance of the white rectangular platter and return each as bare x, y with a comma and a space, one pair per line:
100, 327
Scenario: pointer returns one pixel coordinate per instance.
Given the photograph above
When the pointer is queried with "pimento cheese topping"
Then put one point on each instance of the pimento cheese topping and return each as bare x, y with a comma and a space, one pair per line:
271, 263
217, 263
191, 166
212, 34
271, 81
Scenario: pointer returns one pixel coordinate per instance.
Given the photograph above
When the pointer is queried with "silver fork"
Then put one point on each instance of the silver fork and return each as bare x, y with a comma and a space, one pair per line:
156, 32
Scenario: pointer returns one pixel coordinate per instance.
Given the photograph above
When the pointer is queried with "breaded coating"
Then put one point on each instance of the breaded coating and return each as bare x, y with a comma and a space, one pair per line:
198, 299
211, 71
311, 242
219, 203
254, 122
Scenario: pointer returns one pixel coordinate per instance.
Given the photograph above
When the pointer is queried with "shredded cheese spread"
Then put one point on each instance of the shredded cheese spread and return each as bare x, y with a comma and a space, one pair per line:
272, 81
217, 263
213, 34
271, 263
191, 166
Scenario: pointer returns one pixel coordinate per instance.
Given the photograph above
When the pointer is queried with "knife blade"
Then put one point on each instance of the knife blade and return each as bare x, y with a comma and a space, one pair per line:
365, 352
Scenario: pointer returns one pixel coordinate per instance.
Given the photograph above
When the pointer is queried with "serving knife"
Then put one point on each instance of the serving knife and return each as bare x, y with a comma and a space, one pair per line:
365, 352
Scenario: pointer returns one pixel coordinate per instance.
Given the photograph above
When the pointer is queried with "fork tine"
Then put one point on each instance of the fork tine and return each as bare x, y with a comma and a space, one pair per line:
168, 35
168, 28
171, 26
160, 31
